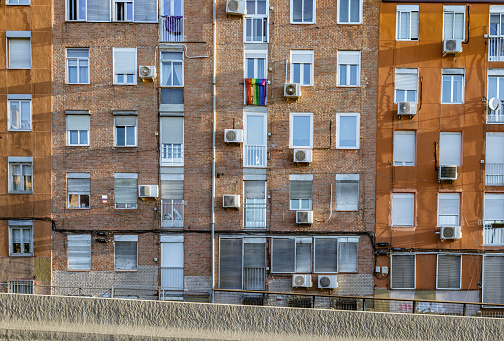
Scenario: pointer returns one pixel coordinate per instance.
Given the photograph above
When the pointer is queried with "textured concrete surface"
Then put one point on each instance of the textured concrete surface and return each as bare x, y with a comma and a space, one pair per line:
26, 317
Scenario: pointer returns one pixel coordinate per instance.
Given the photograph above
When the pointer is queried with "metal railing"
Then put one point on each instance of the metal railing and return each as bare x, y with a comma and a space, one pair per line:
494, 174
496, 116
495, 49
172, 279
172, 213
255, 156
171, 28
172, 154
492, 236
254, 278
254, 215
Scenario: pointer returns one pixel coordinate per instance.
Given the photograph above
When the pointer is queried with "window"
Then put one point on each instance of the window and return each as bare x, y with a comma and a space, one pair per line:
256, 64
453, 86
347, 192
496, 89
125, 131
20, 286
301, 130
291, 255
20, 179
496, 21
19, 49
403, 209
335, 254
493, 272
301, 67
79, 251
302, 11
404, 148
449, 272
349, 11
123, 10
254, 204
494, 214
172, 141
347, 131
403, 272
126, 253
406, 85
77, 130
448, 209
125, 190
407, 22
172, 69
76, 10
301, 191
79, 189
450, 148
349, 68
454, 22
18, 2
78, 66
255, 140
172, 200
494, 159
21, 237
19, 108
125, 65
256, 21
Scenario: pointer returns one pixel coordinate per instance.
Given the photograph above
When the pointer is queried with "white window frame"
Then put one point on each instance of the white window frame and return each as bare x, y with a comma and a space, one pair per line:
408, 78
291, 129
348, 178
342, 59
125, 2
338, 130
265, 25
300, 201
129, 239
67, 10
125, 76
454, 10
21, 161
448, 196
255, 149
399, 143
349, 22
500, 29
451, 78
392, 271
78, 59
171, 61
79, 176
255, 55
395, 196
18, 35
85, 238
310, 57
21, 225
314, 7
126, 145
442, 156
407, 9
125, 206
17, 2
437, 271
78, 144
20, 99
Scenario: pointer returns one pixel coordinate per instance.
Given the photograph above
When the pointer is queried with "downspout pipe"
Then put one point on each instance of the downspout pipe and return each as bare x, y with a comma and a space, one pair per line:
214, 50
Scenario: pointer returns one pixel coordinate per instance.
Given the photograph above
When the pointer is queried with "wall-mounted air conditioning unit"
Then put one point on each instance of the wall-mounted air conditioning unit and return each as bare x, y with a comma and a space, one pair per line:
447, 173
233, 135
452, 46
302, 155
148, 191
236, 7
147, 72
231, 201
304, 217
406, 109
301, 281
327, 282
451, 232
292, 90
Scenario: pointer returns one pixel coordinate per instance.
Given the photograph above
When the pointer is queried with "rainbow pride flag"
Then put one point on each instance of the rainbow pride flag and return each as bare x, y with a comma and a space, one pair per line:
255, 91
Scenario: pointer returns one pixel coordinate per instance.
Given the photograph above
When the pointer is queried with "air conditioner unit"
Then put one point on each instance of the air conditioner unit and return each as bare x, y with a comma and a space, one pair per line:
406, 109
328, 282
447, 173
147, 72
233, 135
231, 201
292, 90
148, 191
304, 217
301, 281
451, 232
236, 7
302, 155
452, 46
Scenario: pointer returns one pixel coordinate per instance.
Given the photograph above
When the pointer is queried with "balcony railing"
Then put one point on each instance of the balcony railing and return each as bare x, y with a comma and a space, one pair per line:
172, 213
494, 174
496, 116
172, 154
255, 215
172, 28
496, 49
254, 278
172, 278
492, 236
255, 156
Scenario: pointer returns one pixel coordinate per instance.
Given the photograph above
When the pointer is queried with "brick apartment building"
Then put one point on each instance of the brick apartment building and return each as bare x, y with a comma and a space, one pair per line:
439, 197
237, 156
25, 145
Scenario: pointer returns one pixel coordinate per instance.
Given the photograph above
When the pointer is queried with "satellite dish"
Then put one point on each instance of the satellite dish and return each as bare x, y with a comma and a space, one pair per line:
494, 103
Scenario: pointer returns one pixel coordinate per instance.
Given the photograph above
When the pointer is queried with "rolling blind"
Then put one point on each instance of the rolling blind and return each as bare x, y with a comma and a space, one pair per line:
125, 61
494, 206
230, 264
19, 53
126, 255
172, 130
303, 254
406, 79
80, 186
282, 254
77, 122
301, 189
146, 10
349, 57
403, 272
79, 252
172, 189
302, 57
493, 279
98, 10
125, 120
125, 191
403, 206
347, 194
404, 148
449, 148
348, 254
448, 271
255, 189
494, 150
326, 255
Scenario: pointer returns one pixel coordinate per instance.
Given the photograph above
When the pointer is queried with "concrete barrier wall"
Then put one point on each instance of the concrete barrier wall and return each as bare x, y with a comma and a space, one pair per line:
29, 317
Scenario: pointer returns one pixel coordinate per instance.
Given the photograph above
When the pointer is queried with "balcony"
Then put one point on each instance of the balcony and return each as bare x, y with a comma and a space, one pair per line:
492, 236
172, 28
172, 279
254, 278
172, 213
495, 49
494, 174
255, 91
255, 156
496, 116
254, 215
172, 154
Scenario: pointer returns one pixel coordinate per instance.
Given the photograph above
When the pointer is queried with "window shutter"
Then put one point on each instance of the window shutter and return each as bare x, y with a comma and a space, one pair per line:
125, 191
403, 207
255, 189
414, 25
81, 186
125, 60
404, 147
326, 255
19, 53
494, 150
403, 272
302, 57
301, 189
493, 279
172, 189
77, 122
449, 148
303, 254
79, 252
230, 264
172, 255
125, 120
146, 10
254, 255
347, 193
282, 254
125, 255
494, 207
406, 79
172, 130
347, 255
349, 57
448, 271
98, 10
449, 208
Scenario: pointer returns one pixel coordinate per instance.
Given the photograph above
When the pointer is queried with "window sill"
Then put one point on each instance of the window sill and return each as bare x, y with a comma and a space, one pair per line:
79, 208
27, 192
348, 148
77, 83
120, 84
134, 270
349, 86
21, 254
303, 23
78, 270
125, 147
416, 40
78, 145
350, 23
26, 68
20, 130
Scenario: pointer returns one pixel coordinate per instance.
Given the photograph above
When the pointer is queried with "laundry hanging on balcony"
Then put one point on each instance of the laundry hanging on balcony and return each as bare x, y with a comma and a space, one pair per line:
255, 91
173, 23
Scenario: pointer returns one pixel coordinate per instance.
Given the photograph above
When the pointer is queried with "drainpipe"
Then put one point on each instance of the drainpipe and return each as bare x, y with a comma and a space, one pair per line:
214, 50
